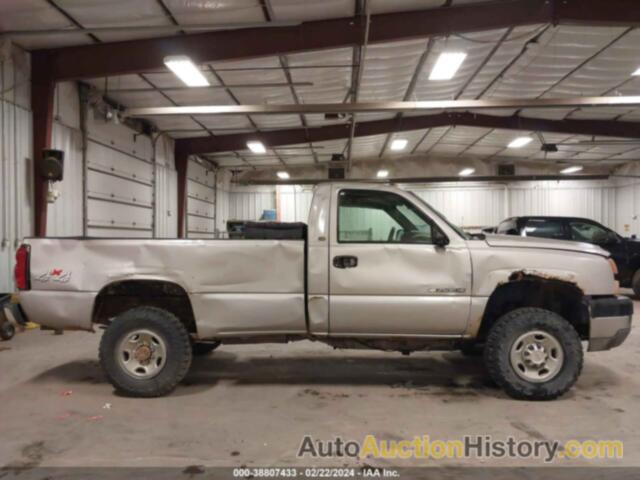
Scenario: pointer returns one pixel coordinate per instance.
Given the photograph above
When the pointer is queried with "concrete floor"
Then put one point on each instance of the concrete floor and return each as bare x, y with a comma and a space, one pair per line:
251, 405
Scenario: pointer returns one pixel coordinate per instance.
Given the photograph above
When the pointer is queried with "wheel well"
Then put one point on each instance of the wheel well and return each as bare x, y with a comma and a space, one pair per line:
528, 290
119, 297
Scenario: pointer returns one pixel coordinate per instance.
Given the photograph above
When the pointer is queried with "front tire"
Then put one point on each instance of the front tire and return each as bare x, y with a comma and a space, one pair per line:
533, 354
145, 352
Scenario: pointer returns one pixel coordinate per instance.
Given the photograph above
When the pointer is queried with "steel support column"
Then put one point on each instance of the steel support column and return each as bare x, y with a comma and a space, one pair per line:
42, 100
181, 158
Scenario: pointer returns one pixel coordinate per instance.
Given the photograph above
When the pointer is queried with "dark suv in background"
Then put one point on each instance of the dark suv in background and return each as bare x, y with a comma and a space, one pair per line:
624, 251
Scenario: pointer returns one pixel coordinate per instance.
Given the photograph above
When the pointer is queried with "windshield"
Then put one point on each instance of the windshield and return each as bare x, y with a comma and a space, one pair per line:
457, 229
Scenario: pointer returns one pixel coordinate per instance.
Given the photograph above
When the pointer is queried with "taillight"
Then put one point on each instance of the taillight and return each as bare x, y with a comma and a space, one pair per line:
21, 271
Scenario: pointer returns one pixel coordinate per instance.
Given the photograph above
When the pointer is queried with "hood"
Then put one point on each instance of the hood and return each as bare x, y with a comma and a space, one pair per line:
513, 241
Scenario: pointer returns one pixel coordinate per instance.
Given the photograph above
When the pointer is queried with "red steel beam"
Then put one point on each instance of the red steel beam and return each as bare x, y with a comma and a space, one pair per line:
595, 13
42, 100
224, 143
142, 55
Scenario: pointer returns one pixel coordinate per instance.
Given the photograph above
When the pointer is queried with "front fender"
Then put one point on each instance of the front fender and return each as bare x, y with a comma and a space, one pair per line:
493, 266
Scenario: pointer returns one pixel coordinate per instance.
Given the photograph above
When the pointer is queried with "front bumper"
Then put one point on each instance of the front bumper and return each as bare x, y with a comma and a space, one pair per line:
610, 322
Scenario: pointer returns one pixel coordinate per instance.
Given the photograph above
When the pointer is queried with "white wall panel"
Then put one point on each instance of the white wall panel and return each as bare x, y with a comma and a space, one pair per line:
466, 205
201, 200
64, 217
471, 204
628, 200
16, 190
594, 200
294, 203
166, 202
248, 203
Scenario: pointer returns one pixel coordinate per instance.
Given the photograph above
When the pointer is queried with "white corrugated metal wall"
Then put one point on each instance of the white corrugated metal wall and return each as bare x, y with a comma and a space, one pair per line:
589, 199
16, 166
467, 205
166, 190
248, 203
201, 200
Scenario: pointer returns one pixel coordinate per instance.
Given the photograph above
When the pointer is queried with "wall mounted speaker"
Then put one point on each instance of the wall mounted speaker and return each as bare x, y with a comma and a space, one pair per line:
52, 165
506, 170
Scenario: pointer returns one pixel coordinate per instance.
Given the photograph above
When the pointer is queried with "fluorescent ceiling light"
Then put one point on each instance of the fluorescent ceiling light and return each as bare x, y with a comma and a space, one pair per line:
636, 73
256, 147
283, 175
520, 142
382, 173
399, 144
447, 65
574, 169
186, 71
465, 172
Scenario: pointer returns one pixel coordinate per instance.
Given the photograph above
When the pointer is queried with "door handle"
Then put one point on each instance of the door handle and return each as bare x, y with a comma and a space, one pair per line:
345, 261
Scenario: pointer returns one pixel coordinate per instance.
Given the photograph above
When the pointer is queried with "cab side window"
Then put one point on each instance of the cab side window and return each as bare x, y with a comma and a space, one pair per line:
367, 216
545, 228
588, 232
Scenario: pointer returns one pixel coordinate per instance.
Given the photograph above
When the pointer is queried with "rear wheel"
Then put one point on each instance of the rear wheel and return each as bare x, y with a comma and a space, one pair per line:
145, 352
533, 354
7, 331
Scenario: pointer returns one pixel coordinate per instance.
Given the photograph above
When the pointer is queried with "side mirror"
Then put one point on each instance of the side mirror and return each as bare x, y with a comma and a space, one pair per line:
440, 239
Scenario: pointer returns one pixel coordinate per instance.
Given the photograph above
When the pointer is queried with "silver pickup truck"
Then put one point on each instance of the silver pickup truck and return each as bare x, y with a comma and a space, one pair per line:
376, 267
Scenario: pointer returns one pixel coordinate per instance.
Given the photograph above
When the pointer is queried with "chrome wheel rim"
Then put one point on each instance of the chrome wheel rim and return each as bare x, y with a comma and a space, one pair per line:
142, 353
536, 356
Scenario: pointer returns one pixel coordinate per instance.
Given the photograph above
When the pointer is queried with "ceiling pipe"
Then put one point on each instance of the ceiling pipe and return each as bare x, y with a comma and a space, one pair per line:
372, 107
151, 29
491, 178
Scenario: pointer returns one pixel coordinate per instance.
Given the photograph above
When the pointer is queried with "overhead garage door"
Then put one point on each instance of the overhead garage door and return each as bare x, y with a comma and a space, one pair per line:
120, 180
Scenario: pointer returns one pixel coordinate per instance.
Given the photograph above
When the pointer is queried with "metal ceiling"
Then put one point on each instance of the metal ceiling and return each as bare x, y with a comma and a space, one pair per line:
312, 53
529, 58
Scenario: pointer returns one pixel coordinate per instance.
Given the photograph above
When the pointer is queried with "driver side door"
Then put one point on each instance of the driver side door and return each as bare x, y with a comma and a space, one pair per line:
386, 275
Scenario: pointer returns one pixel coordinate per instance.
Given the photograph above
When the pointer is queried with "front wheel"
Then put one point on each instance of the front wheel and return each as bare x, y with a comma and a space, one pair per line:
533, 354
145, 352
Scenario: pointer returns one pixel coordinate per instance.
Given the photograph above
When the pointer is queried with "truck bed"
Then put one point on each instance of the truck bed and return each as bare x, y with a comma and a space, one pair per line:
260, 282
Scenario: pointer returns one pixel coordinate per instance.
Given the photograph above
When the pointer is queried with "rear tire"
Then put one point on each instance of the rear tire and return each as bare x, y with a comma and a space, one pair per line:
533, 354
200, 349
145, 352
7, 331
635, 283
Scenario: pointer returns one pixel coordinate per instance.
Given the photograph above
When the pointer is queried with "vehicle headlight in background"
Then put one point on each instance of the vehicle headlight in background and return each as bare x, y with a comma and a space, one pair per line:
614, 269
